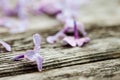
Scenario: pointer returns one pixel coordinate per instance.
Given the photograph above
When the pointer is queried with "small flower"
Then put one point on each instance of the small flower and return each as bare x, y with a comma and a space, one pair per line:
6, 45
68, 28
75, 40
33, 55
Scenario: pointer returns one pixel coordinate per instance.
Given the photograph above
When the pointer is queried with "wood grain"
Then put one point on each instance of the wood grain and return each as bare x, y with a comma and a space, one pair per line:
57, 56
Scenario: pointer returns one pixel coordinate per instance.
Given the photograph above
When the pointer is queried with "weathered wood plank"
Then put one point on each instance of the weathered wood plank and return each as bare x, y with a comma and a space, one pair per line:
58, 56
104, 70
98, 60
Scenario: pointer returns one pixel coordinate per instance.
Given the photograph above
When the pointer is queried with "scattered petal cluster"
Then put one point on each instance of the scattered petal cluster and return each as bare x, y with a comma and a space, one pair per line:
65, 11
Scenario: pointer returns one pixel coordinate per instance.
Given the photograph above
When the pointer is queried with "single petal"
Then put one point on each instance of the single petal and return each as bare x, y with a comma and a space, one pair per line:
6, 45
70, 40
80, 42
36, 39
51, 39
49, 7
81, 29
58, 36
30, 55
39, 62
18, 57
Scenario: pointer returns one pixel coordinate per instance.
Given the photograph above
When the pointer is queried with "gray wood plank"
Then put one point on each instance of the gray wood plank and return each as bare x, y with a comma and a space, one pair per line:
105, 45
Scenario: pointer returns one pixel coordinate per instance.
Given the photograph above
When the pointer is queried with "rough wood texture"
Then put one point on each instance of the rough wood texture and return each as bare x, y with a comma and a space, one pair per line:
98, 60
57, 55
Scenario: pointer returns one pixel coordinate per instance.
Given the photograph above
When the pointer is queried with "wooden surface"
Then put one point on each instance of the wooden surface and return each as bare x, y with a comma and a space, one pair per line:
97, 60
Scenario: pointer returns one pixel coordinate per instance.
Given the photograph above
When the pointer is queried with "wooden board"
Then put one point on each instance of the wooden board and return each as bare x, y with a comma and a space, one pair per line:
98, 60
57, 56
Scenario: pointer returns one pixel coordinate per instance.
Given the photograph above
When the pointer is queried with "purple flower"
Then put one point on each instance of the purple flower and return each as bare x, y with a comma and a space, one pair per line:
6, 45
70, 26
33, 55
76, 40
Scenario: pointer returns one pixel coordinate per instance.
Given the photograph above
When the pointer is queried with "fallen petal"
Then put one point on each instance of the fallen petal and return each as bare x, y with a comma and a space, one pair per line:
51, 39
6, 45
30, 55
70, 40
39, 62
37, 39
18, 57
80, 42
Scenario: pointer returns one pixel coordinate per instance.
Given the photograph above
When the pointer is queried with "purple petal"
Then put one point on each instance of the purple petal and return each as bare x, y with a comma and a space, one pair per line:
82, 41
39, 62
34, 57
81, 29
6, 45
64, 16
49, 7
37, 39
70, 40
20, 9
18, 57
6, 8
30, 55
58, 36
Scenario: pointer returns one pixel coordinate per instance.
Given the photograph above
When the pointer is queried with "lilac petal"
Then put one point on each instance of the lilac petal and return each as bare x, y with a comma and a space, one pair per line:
49, 7
82, 41
30, 55
20, 9
6, 45
5, 6
34, 57
64, 16
51, 39
70, 40
39, 62
58, 36
36, 39
81, 29
37, 42
18, 57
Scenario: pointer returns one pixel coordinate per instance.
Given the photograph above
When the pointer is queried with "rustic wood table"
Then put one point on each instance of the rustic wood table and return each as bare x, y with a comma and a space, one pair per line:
97, 60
